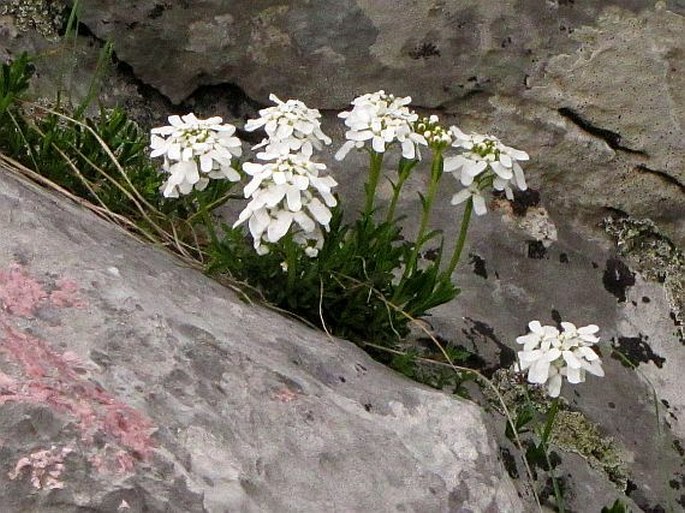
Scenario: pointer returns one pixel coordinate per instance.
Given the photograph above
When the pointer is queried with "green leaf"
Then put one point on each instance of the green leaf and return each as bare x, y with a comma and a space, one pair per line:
524, 416
617, 507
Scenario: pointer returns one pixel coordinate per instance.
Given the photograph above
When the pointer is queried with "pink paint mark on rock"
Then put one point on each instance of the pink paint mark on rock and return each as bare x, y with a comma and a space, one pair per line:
6, 381
45, 466
110, 460
19, 293
66, 294
50, 378
41, 375
285, 395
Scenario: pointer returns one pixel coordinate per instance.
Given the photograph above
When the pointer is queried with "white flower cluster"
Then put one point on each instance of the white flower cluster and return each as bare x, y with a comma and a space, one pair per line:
291, 127
382, 119
549, 354
485, 160
288, 187
194, 151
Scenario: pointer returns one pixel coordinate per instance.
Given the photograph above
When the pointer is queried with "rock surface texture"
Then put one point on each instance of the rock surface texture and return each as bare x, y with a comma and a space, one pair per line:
593, 91
130, 383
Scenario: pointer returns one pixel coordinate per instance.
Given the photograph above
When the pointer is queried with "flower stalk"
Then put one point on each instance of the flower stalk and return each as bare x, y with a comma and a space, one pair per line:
427, 205
372, 184
461, 241
290, 260
551, 417
544, 441
403, 173
207, 220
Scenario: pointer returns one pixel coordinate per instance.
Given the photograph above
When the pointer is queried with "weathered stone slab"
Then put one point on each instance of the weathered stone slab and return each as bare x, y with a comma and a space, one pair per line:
322, 53
161, 392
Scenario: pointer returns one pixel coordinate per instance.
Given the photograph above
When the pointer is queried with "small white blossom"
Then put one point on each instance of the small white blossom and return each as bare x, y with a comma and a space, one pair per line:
472, 191
483, 152
548, 355
287, 191
195, 150
382, 119
291, 127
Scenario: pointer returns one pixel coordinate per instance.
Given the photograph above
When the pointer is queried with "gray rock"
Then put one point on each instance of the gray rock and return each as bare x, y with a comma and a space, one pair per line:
175, 396
436, 51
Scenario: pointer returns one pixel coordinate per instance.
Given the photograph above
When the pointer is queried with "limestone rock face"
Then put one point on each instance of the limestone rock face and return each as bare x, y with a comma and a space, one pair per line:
323, 53
624, 87
131, 383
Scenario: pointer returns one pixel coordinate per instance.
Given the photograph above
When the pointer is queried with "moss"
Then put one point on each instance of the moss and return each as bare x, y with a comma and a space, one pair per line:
655, 257
44, 16
573, 432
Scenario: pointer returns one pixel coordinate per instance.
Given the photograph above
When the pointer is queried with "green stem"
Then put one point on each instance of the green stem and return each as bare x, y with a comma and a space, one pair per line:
207, 220
465, 220
546, 433
215, 204
372, 184
403, 173
551, 416
427, 204
291, 261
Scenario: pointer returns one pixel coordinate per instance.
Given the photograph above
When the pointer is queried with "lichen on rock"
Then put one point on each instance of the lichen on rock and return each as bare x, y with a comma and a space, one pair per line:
654, 256
574, 432
44, 16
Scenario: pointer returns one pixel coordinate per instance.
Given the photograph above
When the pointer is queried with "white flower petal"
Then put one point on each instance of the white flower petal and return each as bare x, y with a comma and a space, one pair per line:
574, 375
305, 222
519, 177
294, 199
535, 326
461, 196
501, 171
206, 163
279, 227
594, 368
554, 386
539, 371
344, 150
408, 149
273, 195
479, 206
378, 144
571, 360
320, 212
475, 167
